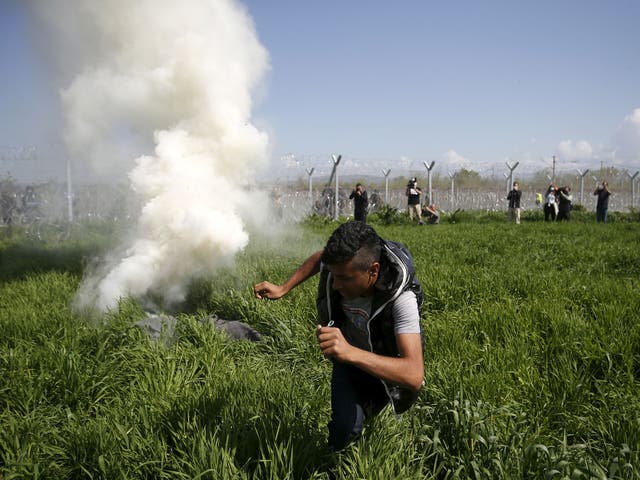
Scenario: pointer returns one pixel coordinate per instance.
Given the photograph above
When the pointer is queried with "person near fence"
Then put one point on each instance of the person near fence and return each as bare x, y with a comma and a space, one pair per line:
565, 204
368, 305
550, 204
276, 204
602, 206
360, 203
430, 212
31, 204
9, 206
413, 193
514, 203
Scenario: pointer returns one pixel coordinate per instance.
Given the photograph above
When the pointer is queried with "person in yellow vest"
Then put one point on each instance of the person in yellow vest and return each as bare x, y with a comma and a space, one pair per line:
539, 199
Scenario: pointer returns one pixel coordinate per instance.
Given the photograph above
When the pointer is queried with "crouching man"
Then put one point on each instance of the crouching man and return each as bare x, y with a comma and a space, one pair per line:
368, 304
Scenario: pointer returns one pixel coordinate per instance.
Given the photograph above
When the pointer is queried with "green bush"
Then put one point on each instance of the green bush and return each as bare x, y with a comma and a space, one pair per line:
387, 215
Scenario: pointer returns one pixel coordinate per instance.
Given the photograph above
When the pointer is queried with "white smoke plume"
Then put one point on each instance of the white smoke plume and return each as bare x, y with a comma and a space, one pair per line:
173, 80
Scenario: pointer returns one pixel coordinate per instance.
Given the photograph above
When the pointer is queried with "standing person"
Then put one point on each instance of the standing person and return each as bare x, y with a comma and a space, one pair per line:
9, 206
368, 325
360, 203
550, 205
514, 203
565, 200
413, 200
276, 203
31, 204
602, 207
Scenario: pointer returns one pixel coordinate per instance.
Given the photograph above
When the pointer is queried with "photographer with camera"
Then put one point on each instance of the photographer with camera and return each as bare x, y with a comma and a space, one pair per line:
602, 207
430, 212
514, 203
550, 204
413, 200
360, 203
565, 200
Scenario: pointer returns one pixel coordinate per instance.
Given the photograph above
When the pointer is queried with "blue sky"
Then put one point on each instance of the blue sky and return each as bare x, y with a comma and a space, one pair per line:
465, 83
486, 81
26, 98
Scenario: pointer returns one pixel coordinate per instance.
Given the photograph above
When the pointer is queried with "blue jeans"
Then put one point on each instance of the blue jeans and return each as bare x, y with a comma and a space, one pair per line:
355, 396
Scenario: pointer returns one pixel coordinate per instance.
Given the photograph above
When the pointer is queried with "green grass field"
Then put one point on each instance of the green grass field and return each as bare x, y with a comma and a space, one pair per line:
532, 365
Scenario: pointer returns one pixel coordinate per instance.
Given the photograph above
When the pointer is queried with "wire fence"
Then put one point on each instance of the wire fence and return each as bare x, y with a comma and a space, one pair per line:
52, 203
295, 204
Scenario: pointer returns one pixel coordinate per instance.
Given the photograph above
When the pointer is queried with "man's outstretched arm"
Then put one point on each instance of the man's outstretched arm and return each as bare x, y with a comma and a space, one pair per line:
308, 269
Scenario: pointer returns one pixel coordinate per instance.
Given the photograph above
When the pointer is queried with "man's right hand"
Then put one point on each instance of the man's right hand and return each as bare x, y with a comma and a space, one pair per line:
267, 290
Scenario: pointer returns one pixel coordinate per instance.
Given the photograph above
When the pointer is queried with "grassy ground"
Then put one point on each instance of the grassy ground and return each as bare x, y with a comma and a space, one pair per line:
532, 363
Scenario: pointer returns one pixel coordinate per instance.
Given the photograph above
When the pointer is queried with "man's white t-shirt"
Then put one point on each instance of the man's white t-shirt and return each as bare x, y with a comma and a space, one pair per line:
358, 311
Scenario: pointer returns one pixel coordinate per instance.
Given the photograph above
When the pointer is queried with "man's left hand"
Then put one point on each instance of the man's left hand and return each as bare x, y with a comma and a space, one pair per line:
332, 343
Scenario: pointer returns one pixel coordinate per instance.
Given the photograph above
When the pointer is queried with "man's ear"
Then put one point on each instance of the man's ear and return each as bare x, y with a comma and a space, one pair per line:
374, 269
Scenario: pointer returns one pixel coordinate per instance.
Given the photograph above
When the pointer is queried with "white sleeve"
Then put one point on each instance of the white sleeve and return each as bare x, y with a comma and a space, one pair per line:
405, 313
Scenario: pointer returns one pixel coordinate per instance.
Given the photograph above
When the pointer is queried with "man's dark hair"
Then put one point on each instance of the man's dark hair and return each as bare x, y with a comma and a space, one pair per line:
353, 239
